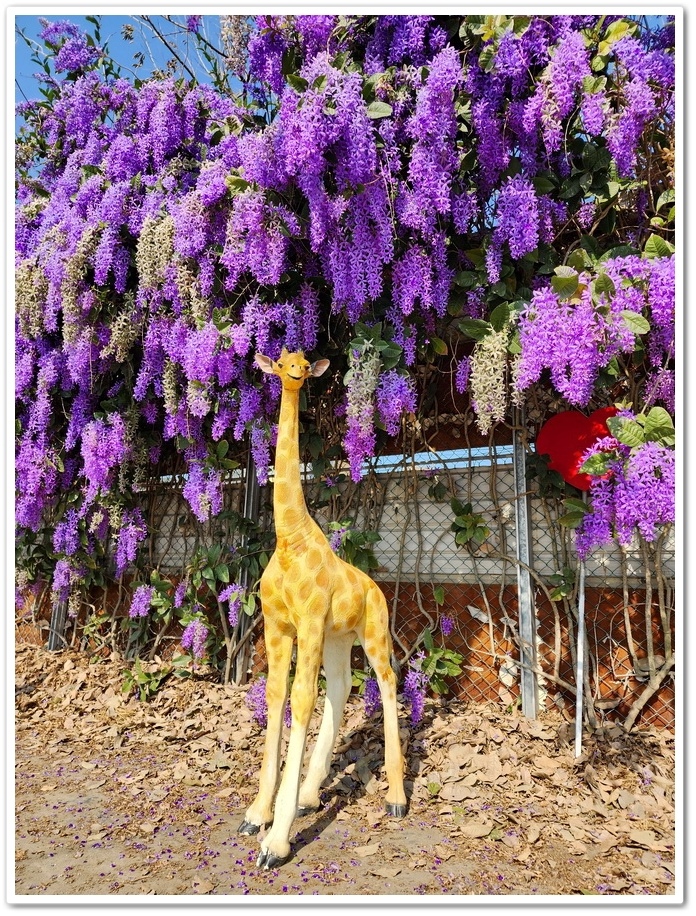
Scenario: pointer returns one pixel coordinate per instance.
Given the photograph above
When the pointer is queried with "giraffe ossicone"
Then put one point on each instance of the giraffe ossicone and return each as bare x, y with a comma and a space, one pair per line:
311, 596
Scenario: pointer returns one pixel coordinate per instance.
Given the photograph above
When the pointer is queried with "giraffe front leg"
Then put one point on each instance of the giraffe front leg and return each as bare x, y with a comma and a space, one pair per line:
279, 653
338, 683
275, 846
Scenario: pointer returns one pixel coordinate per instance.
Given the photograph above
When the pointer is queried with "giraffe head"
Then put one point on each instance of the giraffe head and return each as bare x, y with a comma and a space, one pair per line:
291, 368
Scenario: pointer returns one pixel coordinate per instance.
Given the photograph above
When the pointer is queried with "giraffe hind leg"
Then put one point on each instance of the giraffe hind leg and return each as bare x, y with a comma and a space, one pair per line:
376, 641
338, 682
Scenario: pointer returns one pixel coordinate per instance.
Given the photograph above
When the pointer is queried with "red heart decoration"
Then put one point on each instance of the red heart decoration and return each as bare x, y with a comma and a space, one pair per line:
565, 438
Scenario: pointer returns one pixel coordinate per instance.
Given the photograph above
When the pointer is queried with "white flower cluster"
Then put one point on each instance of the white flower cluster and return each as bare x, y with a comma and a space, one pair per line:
75, 268
31, 289
361, 382
154, 250
234, 34
487, 382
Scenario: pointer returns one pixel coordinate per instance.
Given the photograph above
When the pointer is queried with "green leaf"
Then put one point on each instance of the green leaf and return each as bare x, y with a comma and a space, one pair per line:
667, 197
543, 185
630, 432
576, 505
439, 346
619, 251
439, 595
566, 281
635, 322
515, 344
579, 259
657, 247
659, 427
596, 465
223, 448
222, 573
571, 519
379, 109
603, 284
237, 183
477, 256
500, 316
474, 327
466, 279
391, 355
297, 82
487, 58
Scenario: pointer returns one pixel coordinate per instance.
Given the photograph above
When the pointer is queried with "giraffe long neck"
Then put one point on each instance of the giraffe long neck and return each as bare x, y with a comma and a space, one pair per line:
289, 507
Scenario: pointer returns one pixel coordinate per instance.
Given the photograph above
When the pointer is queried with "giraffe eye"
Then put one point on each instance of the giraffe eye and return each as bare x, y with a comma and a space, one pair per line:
280, 365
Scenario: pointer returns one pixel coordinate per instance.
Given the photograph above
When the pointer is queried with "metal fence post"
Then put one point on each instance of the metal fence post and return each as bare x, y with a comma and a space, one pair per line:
56, 632
252, 502
526, 610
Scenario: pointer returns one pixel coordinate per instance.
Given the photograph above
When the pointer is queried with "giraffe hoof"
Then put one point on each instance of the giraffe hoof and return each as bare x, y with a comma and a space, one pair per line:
247, 828
310, 809
396, 810
267, 860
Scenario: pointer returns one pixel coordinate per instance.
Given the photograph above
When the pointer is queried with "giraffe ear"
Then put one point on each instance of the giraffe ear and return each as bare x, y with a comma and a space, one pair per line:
319, 367
264, 363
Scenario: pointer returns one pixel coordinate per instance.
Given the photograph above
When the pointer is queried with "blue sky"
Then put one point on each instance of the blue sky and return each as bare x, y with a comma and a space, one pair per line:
121, 51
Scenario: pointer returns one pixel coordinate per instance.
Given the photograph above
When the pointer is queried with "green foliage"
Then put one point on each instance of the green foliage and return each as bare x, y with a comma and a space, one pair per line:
577, 509
563, 583
438, 663
359, 678
469, 527
380, 337
655, 426
437, 489
356, 546
145, 683
551, 484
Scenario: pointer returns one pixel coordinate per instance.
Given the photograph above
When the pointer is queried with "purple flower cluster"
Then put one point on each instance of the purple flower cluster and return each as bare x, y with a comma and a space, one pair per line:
637, 495
415, 688
203, 491
336, 538
166, 228
446, 625
372, 697
62, 579
66, 537
132, 533
641, 72
194, 637
141, 601
255, 700
104, 446
233, 595
395, 396
576, 338
518, 216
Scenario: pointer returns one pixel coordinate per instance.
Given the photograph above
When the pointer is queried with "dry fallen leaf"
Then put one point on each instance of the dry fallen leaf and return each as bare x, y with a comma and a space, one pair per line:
473, 829
385, 871
368, 850
443, 852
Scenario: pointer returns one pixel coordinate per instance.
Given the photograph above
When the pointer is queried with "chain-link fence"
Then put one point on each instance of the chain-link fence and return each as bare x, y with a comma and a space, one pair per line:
427, 576
447, 559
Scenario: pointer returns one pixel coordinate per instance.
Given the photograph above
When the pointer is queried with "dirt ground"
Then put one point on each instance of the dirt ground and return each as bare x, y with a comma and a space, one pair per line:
115, 796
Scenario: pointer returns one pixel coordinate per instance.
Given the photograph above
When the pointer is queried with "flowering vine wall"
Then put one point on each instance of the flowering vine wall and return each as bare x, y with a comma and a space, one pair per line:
487, 196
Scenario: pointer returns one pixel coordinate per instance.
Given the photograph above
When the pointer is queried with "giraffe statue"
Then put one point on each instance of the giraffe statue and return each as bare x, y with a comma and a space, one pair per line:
311, 595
